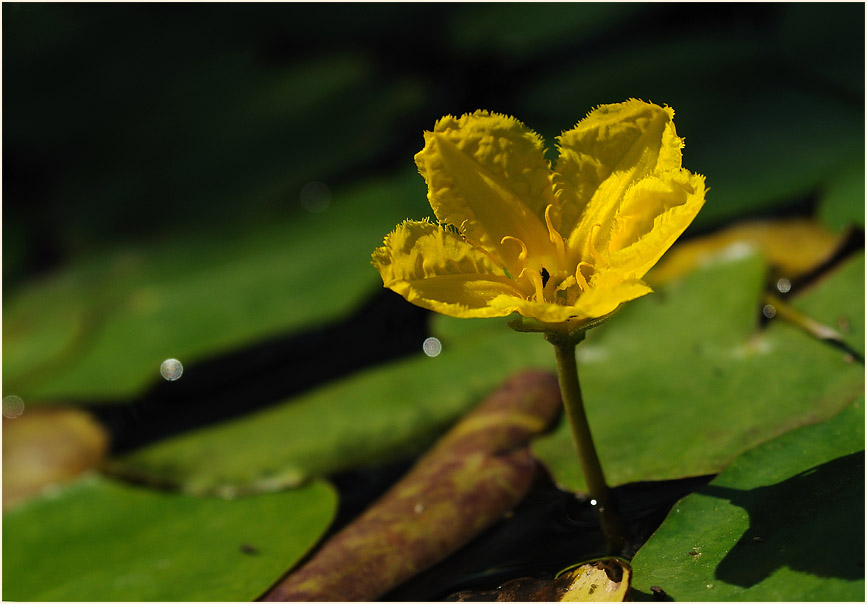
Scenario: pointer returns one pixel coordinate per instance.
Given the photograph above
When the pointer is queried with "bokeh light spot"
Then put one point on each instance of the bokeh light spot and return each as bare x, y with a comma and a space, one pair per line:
13, 406
432, 347
315, 197
171, 369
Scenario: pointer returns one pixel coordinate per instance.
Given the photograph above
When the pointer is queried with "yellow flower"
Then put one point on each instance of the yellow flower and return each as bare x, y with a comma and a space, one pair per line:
562, 245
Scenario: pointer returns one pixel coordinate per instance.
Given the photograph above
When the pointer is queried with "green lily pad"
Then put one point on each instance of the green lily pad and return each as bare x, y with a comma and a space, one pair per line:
838, 302
194, 296
395, 410
391, 411
842, 202
784, 522
683, 380
100, 540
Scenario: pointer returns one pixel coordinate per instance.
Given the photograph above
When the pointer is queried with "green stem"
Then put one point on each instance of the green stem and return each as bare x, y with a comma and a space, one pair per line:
570, 392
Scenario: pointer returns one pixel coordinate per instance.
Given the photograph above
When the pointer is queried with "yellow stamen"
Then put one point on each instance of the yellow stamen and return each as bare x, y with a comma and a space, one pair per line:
594, 253
555, 237
566, 283
478, 246
579, 276
523, 255
536, 280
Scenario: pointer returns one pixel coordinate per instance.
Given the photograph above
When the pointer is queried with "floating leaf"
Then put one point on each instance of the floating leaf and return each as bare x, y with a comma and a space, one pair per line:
784, 521
391, 411
842, 202
193, 296
366, 417
477, 472
693, 382
838, 301
100, 540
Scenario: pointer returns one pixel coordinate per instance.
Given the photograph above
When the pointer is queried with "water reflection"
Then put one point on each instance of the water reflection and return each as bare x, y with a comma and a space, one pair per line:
548, 531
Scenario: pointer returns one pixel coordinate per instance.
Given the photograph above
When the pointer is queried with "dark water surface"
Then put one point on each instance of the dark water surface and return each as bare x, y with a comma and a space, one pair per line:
548, 531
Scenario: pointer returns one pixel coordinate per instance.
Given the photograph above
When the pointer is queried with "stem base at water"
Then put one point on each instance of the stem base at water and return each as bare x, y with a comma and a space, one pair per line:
573, 403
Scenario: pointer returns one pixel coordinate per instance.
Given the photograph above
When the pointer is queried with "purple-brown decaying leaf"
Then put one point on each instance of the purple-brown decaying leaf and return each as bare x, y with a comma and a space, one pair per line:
477, 472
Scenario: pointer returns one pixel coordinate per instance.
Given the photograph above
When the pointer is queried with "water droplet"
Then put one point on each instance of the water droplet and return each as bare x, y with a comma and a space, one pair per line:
592, 502
13, 406
769, 311
784, 285
432, 347
171, 369
315, 197
418, 508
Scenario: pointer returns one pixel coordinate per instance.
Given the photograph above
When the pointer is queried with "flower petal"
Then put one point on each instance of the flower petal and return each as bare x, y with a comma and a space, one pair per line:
592, 304
435, 268
598, 302
606, 152
487, 175
653, 214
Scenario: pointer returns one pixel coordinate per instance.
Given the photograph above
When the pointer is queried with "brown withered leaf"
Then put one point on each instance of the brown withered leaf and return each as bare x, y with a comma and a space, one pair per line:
476, 473
48, 445
604, 580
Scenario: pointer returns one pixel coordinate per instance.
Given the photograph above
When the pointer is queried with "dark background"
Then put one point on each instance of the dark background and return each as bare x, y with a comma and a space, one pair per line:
124, 121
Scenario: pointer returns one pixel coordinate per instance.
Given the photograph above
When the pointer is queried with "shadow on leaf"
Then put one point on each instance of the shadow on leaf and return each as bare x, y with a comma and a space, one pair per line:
812, 522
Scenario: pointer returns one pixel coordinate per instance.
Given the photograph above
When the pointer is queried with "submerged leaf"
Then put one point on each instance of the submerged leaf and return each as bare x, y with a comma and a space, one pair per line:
477, 472
604, 580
